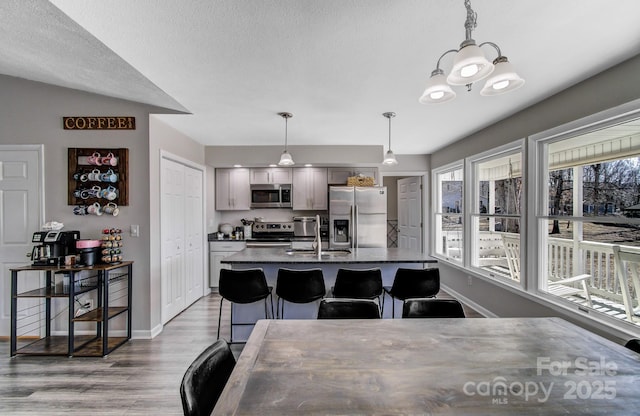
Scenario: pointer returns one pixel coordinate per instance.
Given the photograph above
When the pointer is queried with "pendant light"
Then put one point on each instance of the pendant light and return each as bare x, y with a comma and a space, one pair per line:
285, 157
469, 66
389, 158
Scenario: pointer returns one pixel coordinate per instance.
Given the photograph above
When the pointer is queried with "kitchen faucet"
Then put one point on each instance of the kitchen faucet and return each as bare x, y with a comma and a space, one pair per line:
317, 241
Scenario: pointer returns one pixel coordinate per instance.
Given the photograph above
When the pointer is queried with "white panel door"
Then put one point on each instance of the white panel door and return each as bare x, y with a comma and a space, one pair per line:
172, 215
410, 213
21, 208
193, 226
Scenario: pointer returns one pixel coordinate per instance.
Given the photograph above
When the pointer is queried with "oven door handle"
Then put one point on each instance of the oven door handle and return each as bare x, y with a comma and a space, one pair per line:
261, 245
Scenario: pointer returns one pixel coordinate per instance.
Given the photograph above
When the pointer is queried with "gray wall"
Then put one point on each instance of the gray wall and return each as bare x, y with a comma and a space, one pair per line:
31, 113
608, 89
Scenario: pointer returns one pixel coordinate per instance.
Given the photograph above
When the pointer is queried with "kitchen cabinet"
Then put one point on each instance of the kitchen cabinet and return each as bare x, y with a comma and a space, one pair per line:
218, 250
310, 188
271, 176
107, 281
339, 176
232, 189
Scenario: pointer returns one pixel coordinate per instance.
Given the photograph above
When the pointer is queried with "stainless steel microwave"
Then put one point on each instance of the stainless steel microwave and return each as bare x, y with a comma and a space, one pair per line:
271, 196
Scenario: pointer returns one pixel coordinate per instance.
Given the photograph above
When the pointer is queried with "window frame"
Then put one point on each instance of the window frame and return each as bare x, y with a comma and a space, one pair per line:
473, 213
538, 201
436, 209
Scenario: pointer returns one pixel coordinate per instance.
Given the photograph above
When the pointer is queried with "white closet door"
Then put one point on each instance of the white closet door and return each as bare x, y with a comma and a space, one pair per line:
193, 226
172, 213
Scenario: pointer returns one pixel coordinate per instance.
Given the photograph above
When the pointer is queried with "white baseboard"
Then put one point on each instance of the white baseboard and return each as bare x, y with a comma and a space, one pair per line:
481, 310
144, 334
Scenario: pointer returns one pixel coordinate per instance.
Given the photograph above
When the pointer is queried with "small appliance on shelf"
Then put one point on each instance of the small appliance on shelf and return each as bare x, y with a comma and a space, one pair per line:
53, 246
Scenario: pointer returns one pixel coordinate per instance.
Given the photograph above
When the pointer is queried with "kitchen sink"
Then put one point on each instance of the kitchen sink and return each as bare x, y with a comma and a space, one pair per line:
323, 253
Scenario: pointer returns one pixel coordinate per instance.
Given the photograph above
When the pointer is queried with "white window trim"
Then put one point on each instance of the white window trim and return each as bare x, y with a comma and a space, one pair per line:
537, 163
471, 205
436, 206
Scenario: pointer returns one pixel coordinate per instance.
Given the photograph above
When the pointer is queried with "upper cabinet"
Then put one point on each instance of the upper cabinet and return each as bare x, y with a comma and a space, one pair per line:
232, 189
271, 175
339, 176
310, 188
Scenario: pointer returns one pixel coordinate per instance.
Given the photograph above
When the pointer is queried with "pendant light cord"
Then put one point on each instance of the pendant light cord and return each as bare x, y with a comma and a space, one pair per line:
286, 129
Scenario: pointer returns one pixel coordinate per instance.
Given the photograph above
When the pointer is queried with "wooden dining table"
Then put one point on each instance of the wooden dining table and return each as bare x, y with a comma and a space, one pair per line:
494, 366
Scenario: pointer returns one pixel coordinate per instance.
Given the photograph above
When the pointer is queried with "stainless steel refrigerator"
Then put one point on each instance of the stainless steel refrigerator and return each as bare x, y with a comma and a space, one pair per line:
357, 216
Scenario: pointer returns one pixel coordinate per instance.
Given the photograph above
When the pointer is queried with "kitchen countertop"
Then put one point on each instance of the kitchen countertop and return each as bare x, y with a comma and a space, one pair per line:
278, 255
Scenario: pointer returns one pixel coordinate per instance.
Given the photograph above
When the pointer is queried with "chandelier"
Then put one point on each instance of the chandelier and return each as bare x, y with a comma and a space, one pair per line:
470, 65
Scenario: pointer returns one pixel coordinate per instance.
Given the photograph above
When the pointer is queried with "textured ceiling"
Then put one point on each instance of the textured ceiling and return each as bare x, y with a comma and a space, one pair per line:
337, 65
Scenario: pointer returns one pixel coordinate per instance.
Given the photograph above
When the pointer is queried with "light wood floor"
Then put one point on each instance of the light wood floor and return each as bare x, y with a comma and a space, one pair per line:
140, 378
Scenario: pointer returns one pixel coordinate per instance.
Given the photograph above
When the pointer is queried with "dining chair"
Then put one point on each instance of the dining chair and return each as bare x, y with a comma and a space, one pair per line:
298, 286
334, 308
633, 344
205, 379
432, 308
358, 284
413, 283
243, 286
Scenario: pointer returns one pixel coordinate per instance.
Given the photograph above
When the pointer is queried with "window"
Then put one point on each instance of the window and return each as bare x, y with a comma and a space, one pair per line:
448, 212
589, 219
496, 213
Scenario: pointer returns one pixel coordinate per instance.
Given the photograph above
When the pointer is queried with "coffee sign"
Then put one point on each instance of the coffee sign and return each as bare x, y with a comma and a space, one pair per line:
99, 123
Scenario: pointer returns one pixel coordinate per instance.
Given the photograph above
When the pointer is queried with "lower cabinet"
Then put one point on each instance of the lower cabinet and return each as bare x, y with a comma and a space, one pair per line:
218, 250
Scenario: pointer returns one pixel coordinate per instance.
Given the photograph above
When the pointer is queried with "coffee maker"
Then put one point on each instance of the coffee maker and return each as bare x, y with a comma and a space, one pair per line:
53, 246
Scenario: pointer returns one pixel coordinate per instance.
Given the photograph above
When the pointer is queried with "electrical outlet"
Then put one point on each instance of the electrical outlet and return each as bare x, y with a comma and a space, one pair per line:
88, 304
470, 280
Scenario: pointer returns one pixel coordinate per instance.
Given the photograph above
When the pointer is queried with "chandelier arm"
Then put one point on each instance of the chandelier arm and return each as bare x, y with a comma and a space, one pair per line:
497, 48
442, 56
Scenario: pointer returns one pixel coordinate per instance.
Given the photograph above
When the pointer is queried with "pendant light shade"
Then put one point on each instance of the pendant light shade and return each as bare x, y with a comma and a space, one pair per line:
437, 91
503, 79
389, 158
285, 157
469, 65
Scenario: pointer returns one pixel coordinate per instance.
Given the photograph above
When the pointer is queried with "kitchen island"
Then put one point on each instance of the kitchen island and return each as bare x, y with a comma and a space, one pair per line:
272, 259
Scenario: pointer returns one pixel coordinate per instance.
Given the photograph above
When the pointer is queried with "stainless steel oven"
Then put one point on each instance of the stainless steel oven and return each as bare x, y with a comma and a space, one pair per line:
271, 234
271, 196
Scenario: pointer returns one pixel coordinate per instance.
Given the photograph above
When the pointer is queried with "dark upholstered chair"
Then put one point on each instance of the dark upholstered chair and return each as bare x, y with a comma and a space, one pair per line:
358, 284
432, 308
243, 286
413, 283
205, 379
633, 345
348, 309
298, 286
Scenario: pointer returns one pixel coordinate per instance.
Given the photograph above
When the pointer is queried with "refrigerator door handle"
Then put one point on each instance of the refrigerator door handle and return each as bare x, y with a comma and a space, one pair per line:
355, 226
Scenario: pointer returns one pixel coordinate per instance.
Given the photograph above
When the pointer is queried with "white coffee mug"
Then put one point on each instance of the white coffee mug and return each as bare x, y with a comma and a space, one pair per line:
112, 209
94, 209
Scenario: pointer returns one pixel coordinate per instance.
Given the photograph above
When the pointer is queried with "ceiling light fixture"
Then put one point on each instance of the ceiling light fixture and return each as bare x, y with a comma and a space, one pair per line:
285, 157
389, 157
469, 66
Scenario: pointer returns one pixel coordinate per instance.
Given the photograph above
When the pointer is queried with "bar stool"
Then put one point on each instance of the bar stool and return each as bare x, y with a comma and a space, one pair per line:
413, 283
243, 286
334, 308
432, 308
298, 286
358, 284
